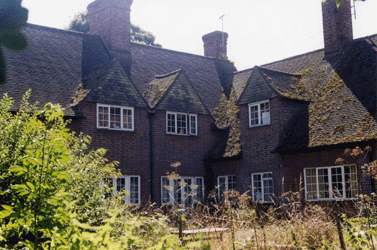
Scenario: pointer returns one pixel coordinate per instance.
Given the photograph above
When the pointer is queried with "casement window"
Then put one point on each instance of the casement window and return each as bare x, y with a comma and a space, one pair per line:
181, 124
115, 117
329, 183
184, 190
129, 184
225, 184
259, 113
262, 186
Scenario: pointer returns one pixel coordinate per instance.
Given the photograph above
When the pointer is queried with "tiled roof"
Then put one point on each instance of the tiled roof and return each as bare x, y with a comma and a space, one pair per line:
342, 94
50, 67
147, 62
174, 92
110, 84
240, 80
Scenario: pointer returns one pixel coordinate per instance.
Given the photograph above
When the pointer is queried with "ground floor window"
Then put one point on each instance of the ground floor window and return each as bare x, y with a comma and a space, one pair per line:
326, 183
226, 183
183, 190
262, 186
128, 184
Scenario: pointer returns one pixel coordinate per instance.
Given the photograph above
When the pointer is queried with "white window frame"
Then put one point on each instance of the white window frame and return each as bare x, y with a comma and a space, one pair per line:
189, 126
172, 193
227, 184
331, 192
260, 118
127, 179
262, 179
122, 110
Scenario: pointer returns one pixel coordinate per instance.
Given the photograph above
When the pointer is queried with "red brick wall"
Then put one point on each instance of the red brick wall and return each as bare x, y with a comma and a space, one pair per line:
214, 45
337, 25
259, 142
188, 150
130, 149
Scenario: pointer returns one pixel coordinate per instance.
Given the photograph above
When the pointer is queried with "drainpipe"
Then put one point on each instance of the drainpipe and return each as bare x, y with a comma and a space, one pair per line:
151, 114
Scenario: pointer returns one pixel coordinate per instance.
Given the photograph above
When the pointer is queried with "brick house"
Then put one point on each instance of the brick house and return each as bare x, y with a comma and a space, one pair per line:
151, 107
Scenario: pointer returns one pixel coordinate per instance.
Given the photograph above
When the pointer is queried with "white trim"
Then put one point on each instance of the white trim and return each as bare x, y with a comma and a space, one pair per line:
171, 192
226, 188
329, 183
260, 116
188, 123
262, 185
122, 108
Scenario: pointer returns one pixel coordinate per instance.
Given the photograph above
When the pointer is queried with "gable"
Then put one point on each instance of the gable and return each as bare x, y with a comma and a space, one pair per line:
179, 94
257, 89
110, 85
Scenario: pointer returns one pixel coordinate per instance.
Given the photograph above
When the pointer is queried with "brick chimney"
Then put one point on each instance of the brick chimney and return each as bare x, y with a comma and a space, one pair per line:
111, 20
337, 25
215, 44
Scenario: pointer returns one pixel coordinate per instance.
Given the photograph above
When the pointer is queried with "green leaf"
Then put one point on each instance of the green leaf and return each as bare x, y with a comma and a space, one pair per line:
30, 185
8, 208
5, 214
17, 169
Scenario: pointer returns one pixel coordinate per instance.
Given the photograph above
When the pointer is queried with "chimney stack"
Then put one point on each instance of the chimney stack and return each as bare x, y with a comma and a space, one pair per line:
111, 20
337, 25
215, 44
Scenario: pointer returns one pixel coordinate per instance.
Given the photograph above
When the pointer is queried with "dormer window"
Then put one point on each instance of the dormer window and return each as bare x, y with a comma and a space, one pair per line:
181, 123
115, 117
259, 113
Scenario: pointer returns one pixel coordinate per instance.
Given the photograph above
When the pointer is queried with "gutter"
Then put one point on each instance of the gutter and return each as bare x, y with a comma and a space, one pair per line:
151, 114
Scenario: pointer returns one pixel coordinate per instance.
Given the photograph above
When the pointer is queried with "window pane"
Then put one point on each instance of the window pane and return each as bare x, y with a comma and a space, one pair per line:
311, 184
115, 118
186, 187
134, 190
231, 183
171, 123
182, 124
323, 183
350, 177
200, 189
121, 184
265, 113
192, 124
127, 118
221, 186
337, 182
254, 117
177, 192
257, 187
165, 190
268, 189
103, 116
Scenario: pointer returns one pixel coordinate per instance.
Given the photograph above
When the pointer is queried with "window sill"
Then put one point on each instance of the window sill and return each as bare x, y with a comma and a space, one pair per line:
259, 126
181, 135
333, 199
118, 130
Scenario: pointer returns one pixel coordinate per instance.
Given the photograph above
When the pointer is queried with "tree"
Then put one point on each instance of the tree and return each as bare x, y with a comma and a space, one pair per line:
80, 23
13, 18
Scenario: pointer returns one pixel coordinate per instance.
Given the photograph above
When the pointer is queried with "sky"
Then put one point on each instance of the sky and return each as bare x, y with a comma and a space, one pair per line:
259, 31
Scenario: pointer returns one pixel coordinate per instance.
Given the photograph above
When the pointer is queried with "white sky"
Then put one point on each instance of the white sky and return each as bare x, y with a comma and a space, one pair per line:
259, 31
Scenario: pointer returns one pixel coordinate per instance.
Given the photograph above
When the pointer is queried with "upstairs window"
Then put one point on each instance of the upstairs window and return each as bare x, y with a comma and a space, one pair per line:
184, 190
181, 124
115, 117
330, 183
262, 187
259, 113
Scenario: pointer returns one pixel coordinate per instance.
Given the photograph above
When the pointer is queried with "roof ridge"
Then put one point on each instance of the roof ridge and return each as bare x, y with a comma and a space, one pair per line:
292, 57
277, 71
175, 51
51, 29
243, 71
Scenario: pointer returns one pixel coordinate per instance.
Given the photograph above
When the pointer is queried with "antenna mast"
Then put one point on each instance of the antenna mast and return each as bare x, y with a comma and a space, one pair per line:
222, 24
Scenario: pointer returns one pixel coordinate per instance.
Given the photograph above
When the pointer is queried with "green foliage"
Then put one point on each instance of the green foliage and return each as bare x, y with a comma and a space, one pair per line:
13, 18
80, 23
50, 192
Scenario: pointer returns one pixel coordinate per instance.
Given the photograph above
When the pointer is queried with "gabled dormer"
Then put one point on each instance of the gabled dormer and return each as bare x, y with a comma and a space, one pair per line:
175, 94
